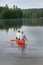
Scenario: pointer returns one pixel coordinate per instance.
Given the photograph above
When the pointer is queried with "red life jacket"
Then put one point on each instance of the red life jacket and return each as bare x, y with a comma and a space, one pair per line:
20, 42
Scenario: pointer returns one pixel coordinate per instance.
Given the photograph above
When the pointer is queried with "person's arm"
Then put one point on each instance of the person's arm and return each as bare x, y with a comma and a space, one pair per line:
16, 35
25, 38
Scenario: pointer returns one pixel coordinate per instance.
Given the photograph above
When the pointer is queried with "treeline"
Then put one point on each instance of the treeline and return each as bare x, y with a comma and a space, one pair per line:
17, 13
32, 13
10, 13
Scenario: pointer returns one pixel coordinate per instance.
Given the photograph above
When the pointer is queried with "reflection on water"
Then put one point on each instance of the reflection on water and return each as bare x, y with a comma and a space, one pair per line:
10, 23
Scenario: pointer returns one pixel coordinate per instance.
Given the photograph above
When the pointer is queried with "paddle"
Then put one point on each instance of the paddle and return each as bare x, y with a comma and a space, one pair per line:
9, 41
12, 40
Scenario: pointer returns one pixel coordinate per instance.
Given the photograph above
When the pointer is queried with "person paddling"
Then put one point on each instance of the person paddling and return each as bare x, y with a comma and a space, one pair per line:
18, 35
22, 36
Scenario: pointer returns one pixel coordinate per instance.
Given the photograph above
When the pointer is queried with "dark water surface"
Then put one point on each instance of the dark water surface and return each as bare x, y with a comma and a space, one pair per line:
33, 53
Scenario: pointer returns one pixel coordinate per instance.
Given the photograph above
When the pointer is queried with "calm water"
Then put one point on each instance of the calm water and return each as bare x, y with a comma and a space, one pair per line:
34, 36
33, 53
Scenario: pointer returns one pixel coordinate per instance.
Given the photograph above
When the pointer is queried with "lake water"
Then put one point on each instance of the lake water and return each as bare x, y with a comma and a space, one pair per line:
33, 54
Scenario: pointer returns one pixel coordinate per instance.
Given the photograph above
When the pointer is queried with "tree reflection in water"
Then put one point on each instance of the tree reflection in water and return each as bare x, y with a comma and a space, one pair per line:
10, 23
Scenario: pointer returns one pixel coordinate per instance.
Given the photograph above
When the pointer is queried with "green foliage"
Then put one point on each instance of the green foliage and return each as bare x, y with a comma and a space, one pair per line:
28, 16
17, 13
32, 13
10, 13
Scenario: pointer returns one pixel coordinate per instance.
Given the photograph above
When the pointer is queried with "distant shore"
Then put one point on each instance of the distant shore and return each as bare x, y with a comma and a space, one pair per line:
18, 13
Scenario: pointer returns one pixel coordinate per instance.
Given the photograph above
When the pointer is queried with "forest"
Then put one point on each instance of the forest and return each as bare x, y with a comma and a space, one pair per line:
32, 13
16, 17
18, 13
10, 13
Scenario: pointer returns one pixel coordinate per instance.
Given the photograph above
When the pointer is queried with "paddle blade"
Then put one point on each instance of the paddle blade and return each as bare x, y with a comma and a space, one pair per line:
12, 40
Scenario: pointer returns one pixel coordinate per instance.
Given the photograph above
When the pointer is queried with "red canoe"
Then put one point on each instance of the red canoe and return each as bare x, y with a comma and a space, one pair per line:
20, 42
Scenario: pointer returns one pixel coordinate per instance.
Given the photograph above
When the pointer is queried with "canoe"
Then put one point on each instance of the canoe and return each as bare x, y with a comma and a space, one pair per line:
20, 42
